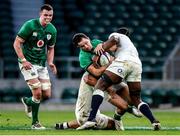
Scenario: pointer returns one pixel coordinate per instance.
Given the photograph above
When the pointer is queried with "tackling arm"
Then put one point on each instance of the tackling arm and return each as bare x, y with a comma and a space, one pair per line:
96, 72
109, 43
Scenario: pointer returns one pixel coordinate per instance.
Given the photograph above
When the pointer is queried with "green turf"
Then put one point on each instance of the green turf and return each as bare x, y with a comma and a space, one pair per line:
16, 123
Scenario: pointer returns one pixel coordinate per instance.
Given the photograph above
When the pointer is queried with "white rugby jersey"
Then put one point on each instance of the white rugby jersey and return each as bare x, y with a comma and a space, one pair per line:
126, 49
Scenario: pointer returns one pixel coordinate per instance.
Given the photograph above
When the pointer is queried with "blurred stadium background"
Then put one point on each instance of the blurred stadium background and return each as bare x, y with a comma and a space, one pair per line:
155, 27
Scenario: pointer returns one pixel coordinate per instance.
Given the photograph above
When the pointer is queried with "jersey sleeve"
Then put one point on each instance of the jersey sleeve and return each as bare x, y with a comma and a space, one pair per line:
25, 30
85, 60
52, 42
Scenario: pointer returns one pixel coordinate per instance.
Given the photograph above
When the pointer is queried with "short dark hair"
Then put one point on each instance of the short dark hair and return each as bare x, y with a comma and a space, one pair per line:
77, 38
123, 30
46, 7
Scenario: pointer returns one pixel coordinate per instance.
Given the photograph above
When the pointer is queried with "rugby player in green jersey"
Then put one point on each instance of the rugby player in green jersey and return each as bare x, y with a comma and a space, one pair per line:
34, 46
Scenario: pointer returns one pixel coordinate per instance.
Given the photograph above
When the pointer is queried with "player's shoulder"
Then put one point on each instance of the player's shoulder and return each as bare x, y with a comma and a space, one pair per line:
52, 27
95, 42
31, 21
29, 24
115, 34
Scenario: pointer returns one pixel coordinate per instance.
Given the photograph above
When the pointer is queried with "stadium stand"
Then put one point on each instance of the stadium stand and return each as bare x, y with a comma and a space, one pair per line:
154, 28
152, 33
173, 96
147, 96
154, 25
69, 95
6, 37
159, 96
13, 95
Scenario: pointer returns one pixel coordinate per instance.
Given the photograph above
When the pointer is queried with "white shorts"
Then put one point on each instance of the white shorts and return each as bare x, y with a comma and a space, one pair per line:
83, 106
34, 72
128, 70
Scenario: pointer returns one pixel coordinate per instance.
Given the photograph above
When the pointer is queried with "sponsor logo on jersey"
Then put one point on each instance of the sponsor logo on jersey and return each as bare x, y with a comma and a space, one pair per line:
40, 43
34, 34
48, 36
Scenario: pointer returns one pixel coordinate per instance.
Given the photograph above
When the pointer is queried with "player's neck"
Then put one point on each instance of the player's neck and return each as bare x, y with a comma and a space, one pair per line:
43, 24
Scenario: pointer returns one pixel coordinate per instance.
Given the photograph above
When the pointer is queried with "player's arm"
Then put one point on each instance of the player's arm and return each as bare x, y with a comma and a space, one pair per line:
90, 80
17, 46
21, 37
50, 59
96, 72
50, 55
110, 43
21, 58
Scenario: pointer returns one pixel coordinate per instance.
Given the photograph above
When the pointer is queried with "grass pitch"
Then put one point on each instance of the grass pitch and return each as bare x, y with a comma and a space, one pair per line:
16, 123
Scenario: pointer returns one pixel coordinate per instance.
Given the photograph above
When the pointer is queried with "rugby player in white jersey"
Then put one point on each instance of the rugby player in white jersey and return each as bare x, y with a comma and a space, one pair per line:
126, 66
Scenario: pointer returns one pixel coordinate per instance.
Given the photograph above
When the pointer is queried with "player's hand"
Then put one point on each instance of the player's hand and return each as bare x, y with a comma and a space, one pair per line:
27, 65
53, 68
99, 49
111, 59
90, 80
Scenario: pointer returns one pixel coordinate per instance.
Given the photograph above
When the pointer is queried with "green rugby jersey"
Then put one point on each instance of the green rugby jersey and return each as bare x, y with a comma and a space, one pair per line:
37, 39
85, 58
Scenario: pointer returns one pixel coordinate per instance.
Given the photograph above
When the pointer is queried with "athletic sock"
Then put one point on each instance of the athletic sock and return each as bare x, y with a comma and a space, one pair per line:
65, 125
117, 116
144, 108
129, 109
97, 99
35, 110
28, 101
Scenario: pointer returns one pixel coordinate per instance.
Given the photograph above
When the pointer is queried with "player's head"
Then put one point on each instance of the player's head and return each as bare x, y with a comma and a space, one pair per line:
46, 7
82, 41
123, 30
46, 14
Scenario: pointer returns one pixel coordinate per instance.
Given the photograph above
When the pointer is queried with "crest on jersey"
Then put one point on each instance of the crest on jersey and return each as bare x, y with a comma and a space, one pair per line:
120, 70
34, 34
40, 43
48, 36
